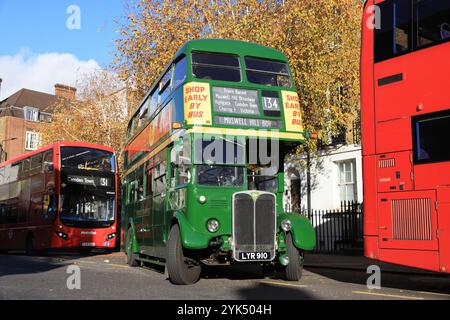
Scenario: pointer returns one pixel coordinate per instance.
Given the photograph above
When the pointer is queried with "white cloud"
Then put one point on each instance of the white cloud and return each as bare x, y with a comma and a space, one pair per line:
41, 72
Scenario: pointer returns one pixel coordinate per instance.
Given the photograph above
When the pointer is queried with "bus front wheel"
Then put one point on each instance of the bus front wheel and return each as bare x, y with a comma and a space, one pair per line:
182, 271
294, 269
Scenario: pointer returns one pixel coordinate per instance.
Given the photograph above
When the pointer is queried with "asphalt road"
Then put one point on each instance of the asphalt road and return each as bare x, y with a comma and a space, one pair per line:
108, 277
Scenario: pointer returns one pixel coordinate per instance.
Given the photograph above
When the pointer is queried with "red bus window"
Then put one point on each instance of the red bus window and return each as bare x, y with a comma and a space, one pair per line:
394, 36
431, 138
433, 22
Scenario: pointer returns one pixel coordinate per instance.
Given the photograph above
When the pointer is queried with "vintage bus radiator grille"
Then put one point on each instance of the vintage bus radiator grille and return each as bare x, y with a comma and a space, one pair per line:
254, 220
412, 219
386, 163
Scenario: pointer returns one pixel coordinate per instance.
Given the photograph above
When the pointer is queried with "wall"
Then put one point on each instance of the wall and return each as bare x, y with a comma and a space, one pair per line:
11, 127
325, 191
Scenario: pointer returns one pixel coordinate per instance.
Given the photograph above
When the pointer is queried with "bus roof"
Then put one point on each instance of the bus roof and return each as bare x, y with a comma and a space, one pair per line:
242, 48
60, 144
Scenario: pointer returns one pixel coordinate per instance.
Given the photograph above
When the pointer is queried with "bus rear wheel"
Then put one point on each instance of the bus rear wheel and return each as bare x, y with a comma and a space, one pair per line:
131, 256
182, 271
294, 269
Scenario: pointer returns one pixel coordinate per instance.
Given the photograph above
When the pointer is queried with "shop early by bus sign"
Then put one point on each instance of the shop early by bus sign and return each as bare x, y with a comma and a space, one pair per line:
197, 103
292, 112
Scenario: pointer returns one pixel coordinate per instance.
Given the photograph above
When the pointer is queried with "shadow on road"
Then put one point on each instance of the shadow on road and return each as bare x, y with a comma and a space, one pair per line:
13, 263
266, 291
233, 272
406, 281
17, 264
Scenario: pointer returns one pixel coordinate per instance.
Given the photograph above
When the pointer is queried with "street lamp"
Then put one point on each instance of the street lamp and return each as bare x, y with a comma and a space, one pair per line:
1, 148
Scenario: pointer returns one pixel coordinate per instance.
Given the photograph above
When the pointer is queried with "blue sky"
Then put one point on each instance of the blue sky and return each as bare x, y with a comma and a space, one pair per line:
34, 31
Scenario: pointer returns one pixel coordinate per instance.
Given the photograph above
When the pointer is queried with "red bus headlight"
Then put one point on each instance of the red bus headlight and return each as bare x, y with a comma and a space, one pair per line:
62, 235
110, 236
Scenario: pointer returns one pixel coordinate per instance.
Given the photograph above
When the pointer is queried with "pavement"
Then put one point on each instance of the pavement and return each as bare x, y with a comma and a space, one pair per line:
107, 277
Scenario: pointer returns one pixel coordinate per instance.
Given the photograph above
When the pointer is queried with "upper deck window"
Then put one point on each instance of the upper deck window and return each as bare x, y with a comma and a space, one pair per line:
267, 72
87, 159
431, 138
213, 66
433, 22
179, 75
165, 86
394, 36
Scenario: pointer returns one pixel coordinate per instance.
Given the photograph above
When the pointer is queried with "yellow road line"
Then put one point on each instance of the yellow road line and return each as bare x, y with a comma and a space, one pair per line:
387, 295
283, 284
435, 293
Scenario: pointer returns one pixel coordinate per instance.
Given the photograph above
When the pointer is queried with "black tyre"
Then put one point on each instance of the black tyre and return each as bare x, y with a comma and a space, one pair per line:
131, 256
181, 271
295, 267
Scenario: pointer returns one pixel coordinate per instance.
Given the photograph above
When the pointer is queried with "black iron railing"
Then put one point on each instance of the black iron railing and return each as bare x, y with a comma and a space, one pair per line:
337, 230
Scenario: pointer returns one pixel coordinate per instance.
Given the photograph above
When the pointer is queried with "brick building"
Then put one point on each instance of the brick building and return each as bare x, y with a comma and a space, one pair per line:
21, 116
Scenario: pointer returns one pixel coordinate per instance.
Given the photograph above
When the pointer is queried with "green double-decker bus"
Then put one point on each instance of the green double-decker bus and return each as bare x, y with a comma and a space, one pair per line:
204, 164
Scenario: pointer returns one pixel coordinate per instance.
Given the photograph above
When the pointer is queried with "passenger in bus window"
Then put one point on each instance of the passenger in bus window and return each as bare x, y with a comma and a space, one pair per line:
445, 31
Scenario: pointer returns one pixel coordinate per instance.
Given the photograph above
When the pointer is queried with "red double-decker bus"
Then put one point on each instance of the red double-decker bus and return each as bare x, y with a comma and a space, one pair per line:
405, 68
59, 197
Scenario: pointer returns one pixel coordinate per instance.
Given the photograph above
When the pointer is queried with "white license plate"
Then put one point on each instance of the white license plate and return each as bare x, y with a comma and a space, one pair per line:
254, 256
88, 244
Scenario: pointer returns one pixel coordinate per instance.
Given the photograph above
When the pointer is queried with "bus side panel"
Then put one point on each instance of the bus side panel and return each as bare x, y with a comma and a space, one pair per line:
370, 208
394, 135
444, 228
430, 176
424, 80
395, 172
370, 196
367, 87
422, 259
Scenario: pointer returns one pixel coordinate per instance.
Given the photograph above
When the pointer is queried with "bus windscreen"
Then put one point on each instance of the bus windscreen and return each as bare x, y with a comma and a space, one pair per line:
87, 159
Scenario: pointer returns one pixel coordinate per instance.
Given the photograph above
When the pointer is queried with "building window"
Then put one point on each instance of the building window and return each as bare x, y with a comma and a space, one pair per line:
347, 180
31, 140
31, 114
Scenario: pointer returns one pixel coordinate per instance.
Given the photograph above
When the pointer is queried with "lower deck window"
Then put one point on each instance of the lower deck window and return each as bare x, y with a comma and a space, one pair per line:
431, 138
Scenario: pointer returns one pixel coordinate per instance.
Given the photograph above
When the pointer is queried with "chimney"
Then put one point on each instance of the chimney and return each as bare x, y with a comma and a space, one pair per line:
65, 92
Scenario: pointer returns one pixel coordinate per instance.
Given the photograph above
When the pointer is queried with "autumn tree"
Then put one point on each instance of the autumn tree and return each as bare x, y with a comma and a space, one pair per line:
98, 115
321, 38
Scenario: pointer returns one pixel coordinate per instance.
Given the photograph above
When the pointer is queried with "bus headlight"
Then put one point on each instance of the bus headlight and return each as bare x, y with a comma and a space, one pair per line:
286, 225
110, 236
202, 199
284, 260
213, 225
62, 235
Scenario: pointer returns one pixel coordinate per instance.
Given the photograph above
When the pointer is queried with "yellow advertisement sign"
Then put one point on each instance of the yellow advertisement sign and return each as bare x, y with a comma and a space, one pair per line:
292, 111
197, 103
